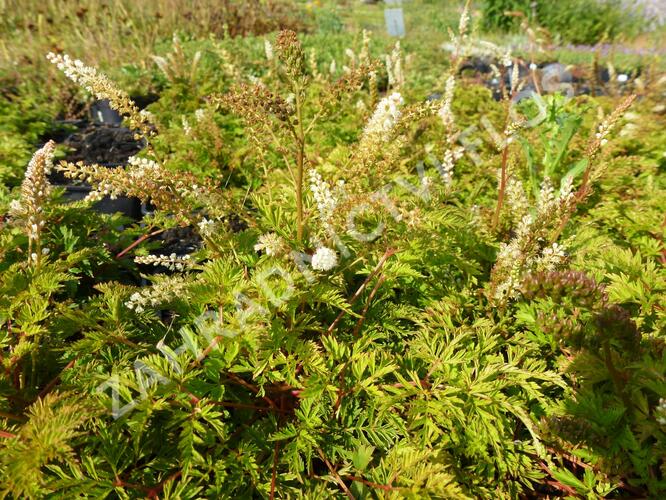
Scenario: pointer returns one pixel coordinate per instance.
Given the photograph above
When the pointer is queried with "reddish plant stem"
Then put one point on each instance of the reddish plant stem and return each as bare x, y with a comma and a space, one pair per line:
341, 391
505, 151
637, 492
207, 351
274, 475
13, 360
359, 323
119, 483
581, 193
55, 381
389, 252
557, 484
7, 435
663, 250
10, 416
138, 242
242, 427
252, 388
502, 188
384, 487
300, 164
619, 381
8, 368
157, 489
424, 382
17, 374
150, 491
231, 404
335, 475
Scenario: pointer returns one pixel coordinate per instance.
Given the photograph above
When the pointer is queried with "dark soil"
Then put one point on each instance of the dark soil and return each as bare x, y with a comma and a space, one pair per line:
183, 241
236, 224
178, 240
550, 76
102, 144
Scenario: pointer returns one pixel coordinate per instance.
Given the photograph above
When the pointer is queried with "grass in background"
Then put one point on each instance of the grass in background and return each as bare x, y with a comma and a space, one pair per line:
117, 32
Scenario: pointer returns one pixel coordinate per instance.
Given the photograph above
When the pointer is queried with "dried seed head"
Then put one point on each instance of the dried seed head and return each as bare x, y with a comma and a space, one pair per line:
291, 53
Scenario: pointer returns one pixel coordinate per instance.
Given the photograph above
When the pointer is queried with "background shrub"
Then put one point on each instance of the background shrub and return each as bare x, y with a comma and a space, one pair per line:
575, 21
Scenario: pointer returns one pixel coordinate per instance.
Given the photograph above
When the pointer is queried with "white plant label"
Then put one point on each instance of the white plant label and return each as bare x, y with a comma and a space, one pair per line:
395, 22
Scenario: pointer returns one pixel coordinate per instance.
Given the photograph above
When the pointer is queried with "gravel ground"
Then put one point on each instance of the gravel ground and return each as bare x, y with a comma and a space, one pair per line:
654, 11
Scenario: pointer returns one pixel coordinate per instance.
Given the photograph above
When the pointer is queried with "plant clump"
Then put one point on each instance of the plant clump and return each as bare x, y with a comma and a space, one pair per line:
340, 286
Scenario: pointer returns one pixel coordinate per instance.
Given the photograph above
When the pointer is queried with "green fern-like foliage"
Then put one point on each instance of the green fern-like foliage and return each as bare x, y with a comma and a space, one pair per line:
45, 440
385, 369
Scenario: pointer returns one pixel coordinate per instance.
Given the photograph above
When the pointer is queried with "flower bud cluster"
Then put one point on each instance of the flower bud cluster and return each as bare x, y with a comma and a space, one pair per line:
187, 128
325, 198
353, 61
313, 64
35, 189
101, 87
172, 262
516, 83
550, 259
175, 192
254, 103
445, 112
161, 292
547, 201
574, 285
551, 206
271, 244
567, 194
600, 138
206, 227
463, 45
464, 20
147, 115
510, 260
386, 115
489, 48
460, 40
451, 156
516, 200
324, 259
528, 251
660, 411
396, 78
268, 49
511, 131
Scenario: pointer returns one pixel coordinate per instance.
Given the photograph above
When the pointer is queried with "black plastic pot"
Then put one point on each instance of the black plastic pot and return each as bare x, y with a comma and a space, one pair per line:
131, 207
101, 112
